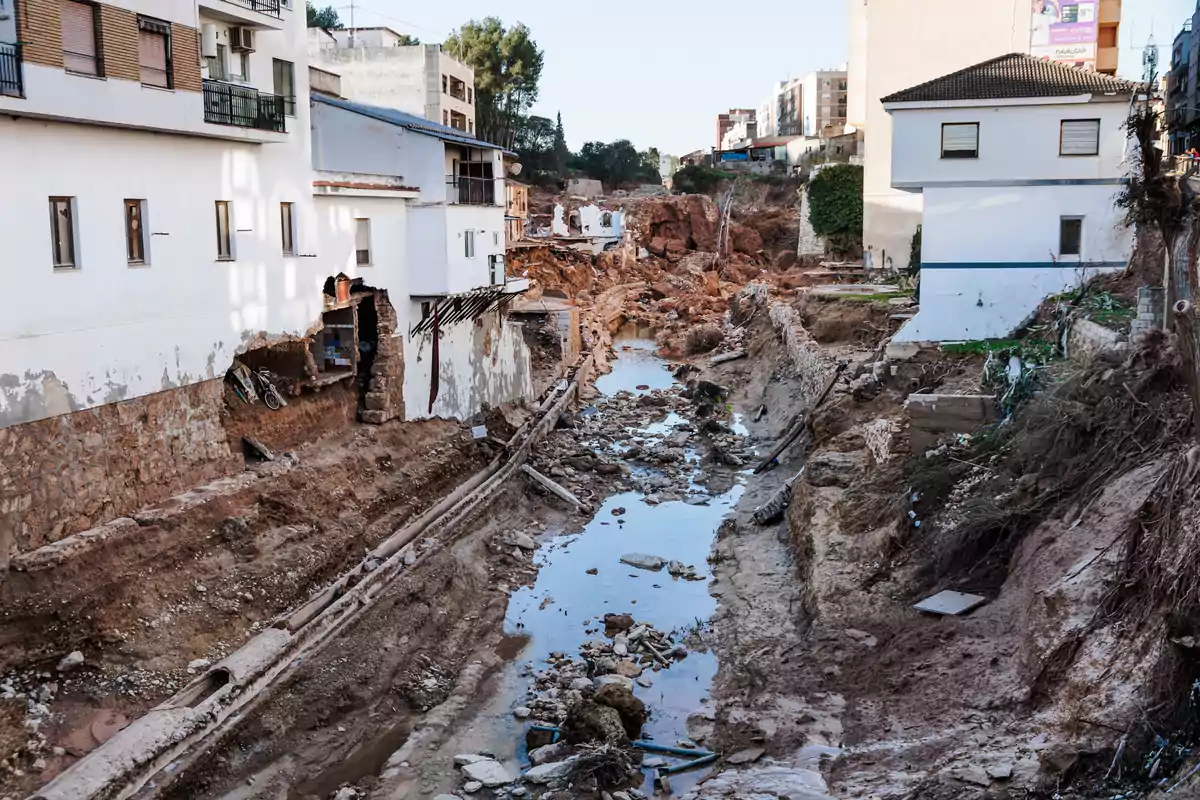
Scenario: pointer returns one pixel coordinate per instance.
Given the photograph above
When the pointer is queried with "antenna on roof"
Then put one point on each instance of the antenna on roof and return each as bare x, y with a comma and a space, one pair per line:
1149, 60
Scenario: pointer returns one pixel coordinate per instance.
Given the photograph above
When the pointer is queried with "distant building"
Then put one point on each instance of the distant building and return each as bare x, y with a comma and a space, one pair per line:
730, 119
1017, 159
824, 107
376, 68
1181, 90
743, 129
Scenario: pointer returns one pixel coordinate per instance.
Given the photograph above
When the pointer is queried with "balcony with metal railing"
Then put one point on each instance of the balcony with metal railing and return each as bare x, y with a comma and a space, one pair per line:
230, 104
470, 190
259, 14
10, 70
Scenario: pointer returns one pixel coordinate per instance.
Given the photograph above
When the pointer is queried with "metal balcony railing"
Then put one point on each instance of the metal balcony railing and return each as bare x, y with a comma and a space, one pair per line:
229, 104
10, 69
268, 7
471, 191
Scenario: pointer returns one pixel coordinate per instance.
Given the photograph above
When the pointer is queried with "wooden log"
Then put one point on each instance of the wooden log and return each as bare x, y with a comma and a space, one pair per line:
724, 357
553, 487
802, 422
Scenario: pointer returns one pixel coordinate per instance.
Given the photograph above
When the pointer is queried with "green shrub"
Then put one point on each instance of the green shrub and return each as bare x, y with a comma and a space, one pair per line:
697, 179
835, 199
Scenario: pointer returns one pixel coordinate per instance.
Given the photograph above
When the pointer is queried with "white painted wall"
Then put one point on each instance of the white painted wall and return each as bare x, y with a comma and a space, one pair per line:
856, 73
480, 363
990, 255
910, 42
1015, 142
107, 331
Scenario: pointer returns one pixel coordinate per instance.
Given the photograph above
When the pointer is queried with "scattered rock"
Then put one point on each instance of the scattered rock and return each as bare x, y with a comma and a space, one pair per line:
551, 752
613, 680
632, 710
618, 511
71, 661
592, 571
615, 623
198, 664
524, 541
1000, 772
489, 773
552, 771
471, 787
644, 561
747, 756
521, 712
591, 722
463, 759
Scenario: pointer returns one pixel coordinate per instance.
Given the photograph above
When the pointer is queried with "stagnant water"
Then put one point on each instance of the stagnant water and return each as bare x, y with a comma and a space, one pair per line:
552, 613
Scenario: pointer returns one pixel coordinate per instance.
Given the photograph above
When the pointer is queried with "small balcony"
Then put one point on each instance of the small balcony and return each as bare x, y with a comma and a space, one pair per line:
260, 14
230, 104
471, 190
10, 70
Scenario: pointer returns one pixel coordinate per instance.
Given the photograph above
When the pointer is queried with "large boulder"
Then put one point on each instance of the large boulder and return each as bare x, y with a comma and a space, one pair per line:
632, 710
591, 722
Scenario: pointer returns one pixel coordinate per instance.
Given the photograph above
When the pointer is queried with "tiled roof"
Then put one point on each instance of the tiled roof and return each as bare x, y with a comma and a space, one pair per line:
1013, 76
405, 120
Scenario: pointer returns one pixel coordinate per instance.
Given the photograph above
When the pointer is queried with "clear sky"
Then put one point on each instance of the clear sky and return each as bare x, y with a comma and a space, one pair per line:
657, 72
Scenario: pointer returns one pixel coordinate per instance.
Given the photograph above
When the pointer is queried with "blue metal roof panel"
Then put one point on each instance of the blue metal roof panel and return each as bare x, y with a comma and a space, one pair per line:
411, 121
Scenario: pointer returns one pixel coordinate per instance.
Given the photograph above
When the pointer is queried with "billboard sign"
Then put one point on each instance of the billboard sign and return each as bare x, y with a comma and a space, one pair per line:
1058, 23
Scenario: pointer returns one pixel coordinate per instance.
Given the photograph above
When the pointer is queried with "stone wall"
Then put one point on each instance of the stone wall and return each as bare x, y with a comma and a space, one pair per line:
385, 393
65, 474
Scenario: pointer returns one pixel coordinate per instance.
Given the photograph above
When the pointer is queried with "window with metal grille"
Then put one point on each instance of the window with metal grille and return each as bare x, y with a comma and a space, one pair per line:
469, 244
62, 232
80, 24
1079, 137
287, 229
362, 242
960, 140
224, 237
1070, 236
154, 52
135, 231
285, 85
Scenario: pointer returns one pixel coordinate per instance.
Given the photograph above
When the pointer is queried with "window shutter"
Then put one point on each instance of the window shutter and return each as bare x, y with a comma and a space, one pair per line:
78, 36
962, 138
152, 50
1080, 137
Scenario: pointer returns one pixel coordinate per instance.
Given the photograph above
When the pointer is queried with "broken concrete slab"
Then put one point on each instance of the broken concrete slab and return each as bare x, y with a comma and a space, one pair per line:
747, 756
490, 773
949, 603
552, 771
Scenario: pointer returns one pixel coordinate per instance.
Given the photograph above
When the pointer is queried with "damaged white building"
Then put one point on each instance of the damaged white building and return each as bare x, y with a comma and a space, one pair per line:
179, 202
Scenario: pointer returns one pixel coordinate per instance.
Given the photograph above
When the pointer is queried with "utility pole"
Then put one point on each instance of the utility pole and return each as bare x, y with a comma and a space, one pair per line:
351, 24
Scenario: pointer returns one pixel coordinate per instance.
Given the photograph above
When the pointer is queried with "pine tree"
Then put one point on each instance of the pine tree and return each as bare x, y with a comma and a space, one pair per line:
560, 148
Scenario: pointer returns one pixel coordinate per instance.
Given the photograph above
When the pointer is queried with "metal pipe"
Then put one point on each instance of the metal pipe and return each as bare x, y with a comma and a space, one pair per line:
642, 744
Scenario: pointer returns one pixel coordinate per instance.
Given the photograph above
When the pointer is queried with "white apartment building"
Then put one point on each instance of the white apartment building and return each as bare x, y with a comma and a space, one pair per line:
164, 218
376, 68
742, 126
824, 98
1017, 161
431, 202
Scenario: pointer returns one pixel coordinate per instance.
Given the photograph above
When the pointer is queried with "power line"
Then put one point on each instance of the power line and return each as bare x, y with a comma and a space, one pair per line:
388, 17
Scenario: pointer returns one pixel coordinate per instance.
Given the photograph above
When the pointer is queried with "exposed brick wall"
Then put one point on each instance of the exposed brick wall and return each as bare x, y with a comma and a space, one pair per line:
185, 57
41, 32
119, 34
65, 474
385, 393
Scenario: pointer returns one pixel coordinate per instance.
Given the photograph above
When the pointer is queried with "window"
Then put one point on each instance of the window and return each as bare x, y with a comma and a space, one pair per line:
62, 231
1079, 137
224, 239
285, 85
471, 126
469, 99
362, 242
445, 85
495, 238
287, 229
154, 52
239, 66
1070, 236
80, 37
135, 231
960, 140
445, 117
469, 243
216, 64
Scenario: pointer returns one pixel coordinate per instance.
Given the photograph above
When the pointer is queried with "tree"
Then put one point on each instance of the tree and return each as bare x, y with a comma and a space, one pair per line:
535, 147
651, 158
407, 41
615, 163
326, 17
508, 66
561, 153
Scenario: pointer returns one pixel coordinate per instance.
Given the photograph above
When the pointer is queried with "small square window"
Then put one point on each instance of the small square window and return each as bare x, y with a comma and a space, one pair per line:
1070, 236
960, 140
362, 242
224, 232
62, 232
1079, 137
135, 232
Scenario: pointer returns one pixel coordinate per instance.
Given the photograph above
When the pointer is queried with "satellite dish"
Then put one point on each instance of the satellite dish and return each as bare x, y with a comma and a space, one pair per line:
514, 169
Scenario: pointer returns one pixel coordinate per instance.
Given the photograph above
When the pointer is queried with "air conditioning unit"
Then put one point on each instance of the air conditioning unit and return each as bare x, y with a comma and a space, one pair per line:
242, 39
